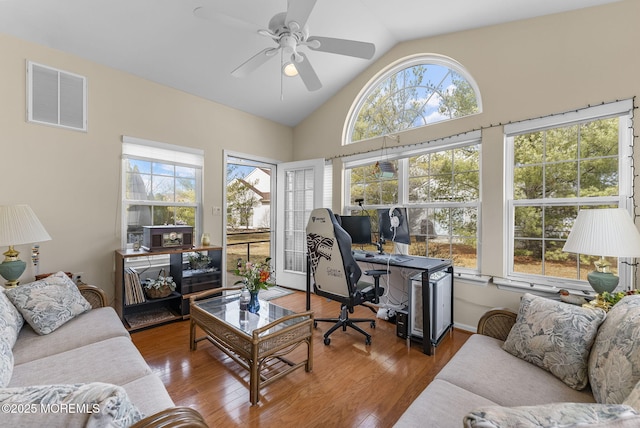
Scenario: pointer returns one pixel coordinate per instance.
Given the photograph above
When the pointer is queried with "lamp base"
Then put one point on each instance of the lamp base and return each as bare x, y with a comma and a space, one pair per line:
602, 281
11, 271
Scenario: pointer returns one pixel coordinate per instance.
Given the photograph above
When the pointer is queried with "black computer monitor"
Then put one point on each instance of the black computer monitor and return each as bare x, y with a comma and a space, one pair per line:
358, 227
399, 234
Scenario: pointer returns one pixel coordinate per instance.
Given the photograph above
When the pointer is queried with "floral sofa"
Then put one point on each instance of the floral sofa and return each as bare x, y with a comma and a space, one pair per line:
550, 365
66, 360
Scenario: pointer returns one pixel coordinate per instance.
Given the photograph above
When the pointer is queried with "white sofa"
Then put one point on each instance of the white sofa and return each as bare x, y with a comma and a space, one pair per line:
484, 385
87, 371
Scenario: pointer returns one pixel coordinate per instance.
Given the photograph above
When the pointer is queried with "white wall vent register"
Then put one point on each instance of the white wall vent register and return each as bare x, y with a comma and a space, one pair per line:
56, 97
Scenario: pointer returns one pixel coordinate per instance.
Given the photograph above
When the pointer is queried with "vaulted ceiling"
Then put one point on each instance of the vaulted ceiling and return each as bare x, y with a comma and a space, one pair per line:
165, 42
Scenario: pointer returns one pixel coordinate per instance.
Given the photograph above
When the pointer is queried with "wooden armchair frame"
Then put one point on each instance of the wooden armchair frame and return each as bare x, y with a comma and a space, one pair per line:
497, 323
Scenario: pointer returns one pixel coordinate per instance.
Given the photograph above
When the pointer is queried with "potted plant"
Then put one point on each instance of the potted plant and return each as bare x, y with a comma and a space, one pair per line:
160, 287
198, 260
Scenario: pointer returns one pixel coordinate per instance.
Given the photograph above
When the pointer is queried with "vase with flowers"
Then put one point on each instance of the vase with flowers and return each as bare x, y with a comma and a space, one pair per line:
255, 277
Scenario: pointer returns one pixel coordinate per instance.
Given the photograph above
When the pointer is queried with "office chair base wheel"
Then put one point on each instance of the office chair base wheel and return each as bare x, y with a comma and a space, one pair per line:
315, 324
367, 341
373, 324
327, 341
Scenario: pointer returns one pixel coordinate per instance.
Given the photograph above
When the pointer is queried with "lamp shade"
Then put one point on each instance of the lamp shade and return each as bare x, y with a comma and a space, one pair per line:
604, 232
19, 225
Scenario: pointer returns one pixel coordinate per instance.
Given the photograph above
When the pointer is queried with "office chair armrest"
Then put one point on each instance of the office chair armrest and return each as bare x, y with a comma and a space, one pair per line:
376, 274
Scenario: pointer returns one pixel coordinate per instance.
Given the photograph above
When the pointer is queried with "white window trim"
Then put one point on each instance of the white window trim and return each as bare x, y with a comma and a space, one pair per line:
401, 64
402, 154
540, 283
139, 148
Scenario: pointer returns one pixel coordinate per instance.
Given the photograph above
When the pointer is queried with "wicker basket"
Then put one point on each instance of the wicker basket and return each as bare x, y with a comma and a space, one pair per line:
158, 293
163, 291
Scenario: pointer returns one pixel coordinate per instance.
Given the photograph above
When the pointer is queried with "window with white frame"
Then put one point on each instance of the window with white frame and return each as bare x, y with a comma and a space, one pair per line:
556, 166
439, 184
416, 91
161, 184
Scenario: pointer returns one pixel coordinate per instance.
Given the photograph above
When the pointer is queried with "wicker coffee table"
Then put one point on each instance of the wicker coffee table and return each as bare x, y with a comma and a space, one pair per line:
261, 345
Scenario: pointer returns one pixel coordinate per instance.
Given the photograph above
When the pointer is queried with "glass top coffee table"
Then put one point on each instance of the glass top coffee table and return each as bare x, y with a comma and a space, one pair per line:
258, 344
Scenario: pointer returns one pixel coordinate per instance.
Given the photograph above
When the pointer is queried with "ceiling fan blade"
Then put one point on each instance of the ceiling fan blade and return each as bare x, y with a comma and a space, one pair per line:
209, 13
308, 74
254, 62
343, 47
298, 11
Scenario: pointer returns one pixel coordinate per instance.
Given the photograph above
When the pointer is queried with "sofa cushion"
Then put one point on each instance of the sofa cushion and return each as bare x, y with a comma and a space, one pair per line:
11, 320
148, 394
555, 336
614, 364
91, 327
441, 405
6, 362
114, 360
49, 303
633, 399
554, 415
93, 405
479, 367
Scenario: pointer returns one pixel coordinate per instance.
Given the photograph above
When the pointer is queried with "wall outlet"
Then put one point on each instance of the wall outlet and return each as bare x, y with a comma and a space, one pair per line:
216, 211
75, 276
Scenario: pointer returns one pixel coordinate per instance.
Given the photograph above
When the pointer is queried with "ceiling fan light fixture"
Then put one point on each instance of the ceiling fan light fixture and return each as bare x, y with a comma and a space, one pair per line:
289, 69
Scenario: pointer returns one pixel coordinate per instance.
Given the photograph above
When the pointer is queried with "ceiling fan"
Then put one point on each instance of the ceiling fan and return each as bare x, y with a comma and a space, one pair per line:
290, 32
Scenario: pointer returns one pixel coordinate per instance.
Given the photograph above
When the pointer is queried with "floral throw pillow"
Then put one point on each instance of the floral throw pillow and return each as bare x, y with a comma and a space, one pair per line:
554, 415
6, 362
614, 364
555, 336
11, 320
91, 405
48, 303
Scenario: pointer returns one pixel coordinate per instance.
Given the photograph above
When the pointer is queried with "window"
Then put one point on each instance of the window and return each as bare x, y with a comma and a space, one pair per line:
440, 187
557, 166
415, 92
161, 184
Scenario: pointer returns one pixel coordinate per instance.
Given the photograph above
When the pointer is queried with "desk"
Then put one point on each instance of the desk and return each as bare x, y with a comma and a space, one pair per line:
428, 266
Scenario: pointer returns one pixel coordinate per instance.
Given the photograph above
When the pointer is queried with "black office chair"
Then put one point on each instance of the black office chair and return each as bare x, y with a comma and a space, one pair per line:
336, 274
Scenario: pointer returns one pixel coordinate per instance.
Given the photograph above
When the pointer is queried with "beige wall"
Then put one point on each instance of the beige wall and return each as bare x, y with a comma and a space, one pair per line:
72, 179
524, 70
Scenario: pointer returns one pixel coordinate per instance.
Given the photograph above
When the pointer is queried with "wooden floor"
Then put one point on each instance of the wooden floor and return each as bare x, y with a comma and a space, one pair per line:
351, 385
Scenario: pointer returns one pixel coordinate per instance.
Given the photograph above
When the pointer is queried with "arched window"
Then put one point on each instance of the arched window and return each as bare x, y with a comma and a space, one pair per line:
414, 92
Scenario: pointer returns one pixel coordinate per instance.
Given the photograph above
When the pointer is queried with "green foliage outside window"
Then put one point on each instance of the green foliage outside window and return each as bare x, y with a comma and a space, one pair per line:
556, 171
415, 96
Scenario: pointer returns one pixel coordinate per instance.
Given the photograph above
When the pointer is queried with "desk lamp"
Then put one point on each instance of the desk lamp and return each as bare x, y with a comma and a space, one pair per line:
606, 233
18, 225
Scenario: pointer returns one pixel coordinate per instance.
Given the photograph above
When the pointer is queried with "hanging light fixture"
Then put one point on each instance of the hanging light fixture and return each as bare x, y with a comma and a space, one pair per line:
385, 169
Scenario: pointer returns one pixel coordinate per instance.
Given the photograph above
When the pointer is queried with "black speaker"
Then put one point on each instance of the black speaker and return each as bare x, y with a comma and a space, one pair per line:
402, 324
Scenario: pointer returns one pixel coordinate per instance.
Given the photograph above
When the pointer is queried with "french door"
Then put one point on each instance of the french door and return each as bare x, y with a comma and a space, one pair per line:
299, 191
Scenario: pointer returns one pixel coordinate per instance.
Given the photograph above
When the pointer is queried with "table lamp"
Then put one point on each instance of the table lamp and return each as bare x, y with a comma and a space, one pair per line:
18, 225
603, 232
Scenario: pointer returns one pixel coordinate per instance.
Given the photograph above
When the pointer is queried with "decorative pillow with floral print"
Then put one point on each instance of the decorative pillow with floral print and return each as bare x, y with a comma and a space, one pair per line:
554, 415
11, 320
48, 303
614, 364
555, 336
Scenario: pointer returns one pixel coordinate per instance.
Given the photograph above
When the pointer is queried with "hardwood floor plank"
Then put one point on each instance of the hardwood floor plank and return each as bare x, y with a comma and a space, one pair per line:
351, 385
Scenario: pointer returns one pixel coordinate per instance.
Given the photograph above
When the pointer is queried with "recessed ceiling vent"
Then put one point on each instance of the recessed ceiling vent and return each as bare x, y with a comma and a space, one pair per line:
56, 97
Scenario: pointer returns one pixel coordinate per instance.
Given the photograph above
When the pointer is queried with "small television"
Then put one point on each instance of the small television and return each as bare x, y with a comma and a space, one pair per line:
358, 227
399, 233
